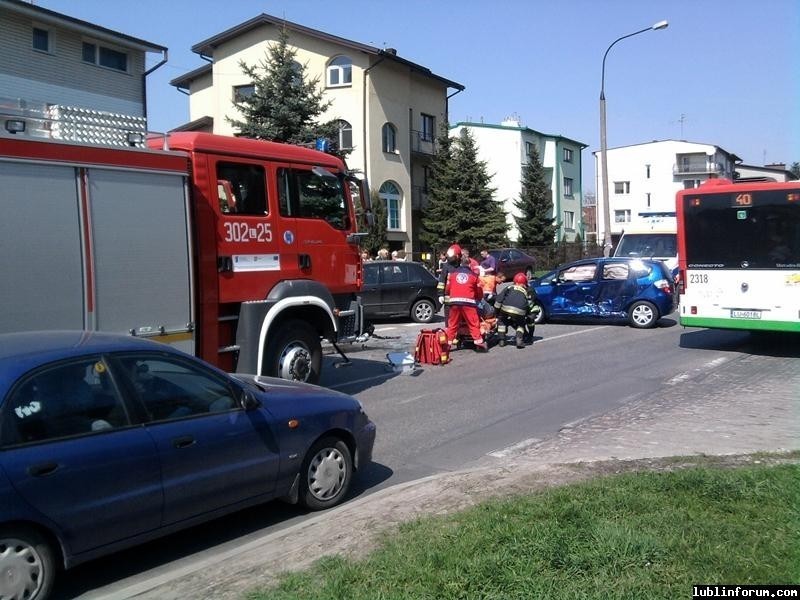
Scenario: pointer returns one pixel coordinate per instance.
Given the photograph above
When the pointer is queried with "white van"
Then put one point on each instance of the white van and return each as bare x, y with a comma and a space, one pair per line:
658, 240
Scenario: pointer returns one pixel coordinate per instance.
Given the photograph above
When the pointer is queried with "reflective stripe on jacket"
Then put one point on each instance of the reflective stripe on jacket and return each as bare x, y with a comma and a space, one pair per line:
514, 300
462, 287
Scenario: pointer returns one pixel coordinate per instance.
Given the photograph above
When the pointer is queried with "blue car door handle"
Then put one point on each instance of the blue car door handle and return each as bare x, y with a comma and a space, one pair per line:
42, 469
184, 442
585, 288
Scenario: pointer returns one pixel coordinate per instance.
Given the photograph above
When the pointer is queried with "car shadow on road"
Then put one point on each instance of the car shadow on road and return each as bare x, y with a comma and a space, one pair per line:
358, 374
761, 343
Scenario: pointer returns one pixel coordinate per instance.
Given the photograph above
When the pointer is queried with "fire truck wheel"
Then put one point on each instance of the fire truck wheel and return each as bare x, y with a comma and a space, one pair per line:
294, 352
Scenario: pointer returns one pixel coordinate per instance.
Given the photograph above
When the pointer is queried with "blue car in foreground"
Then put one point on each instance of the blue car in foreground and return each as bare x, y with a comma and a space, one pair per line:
107, 441
639, 291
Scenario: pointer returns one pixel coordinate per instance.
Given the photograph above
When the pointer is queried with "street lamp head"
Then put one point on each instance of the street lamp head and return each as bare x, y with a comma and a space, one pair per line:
660, 25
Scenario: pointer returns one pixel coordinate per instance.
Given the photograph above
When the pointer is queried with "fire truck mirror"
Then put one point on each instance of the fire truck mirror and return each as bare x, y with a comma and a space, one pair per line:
227, 199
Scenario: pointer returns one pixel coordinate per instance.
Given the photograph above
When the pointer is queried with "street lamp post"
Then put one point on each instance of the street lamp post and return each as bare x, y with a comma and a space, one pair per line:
603, 145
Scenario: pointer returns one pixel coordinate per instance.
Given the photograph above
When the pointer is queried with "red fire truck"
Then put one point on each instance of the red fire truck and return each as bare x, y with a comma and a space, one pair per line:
242, 252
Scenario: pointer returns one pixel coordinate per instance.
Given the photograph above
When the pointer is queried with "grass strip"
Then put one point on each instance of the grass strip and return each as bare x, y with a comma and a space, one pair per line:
638, 536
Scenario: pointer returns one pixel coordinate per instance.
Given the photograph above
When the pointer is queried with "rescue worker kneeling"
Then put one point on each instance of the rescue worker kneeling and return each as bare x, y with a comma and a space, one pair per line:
515, 305
462, 295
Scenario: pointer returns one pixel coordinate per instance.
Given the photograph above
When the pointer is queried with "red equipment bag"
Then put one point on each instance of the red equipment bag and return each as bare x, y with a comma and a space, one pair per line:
432, 347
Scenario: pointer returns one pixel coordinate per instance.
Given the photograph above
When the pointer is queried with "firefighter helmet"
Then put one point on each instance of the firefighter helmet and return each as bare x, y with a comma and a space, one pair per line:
454, 254
454, 251
520, 279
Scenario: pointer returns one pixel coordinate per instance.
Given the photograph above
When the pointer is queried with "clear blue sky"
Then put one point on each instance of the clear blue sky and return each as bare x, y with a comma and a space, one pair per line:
730, 68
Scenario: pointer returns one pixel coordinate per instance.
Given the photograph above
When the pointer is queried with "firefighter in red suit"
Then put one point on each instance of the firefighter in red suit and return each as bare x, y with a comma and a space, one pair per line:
463, 292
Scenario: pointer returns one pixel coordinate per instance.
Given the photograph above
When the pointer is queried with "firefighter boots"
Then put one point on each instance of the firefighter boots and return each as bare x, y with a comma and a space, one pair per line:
520, 341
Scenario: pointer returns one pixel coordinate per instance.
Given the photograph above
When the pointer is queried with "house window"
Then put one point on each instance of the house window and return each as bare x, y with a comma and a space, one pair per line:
428, 128
104, 57
622, 216
567, 187
345, 135
426, 176
648, 199
340, 71
569, 220
528, 148
243, 92
622, 187
390, 194
568, 155
689, 184
647, 170
41, 39
389, 138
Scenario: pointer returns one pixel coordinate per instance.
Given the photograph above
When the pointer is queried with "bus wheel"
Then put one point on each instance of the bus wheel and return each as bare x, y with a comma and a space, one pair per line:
294, 352
642, 315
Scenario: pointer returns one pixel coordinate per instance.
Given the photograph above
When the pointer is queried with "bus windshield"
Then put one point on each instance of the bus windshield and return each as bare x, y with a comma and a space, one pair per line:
757, 230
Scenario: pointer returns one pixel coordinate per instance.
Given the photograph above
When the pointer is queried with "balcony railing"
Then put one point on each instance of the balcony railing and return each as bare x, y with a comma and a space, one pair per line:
419, 198
696, 168
422, 143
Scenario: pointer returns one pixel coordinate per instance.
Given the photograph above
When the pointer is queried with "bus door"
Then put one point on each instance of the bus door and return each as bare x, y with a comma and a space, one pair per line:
315, 198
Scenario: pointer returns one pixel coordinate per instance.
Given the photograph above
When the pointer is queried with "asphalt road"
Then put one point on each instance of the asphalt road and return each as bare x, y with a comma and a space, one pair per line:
478, 408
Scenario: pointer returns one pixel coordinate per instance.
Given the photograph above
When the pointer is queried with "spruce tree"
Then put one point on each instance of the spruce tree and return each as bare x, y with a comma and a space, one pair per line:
535, 222
377, 233
284, 106
462, 206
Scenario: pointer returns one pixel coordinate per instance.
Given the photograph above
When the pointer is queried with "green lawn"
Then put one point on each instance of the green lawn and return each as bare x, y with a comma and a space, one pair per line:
637, 536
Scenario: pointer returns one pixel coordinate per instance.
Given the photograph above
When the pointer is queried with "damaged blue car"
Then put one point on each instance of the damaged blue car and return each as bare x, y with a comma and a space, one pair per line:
637, 291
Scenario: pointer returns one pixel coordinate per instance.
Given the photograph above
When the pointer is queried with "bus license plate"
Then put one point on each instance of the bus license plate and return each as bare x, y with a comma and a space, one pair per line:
745, 314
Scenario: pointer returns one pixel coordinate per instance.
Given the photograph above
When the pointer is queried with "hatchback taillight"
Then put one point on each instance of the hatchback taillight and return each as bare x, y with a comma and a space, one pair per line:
663, 285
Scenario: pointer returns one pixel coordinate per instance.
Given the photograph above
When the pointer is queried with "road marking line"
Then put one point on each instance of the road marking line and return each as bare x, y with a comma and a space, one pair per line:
687, 375
518, 447
563, 335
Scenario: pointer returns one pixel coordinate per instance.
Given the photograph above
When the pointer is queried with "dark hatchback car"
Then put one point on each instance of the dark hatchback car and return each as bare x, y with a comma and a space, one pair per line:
107, 441
639, 291
511, 261
399, 288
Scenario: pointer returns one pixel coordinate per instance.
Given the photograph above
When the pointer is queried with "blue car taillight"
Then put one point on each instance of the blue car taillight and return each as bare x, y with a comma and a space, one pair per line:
663, 285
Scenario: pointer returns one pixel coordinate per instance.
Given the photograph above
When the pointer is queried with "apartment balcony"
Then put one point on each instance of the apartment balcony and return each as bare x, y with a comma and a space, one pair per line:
422, 143
419, 198
697, 168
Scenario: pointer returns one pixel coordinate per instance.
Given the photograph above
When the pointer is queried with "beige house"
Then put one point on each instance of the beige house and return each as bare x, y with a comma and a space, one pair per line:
48, 58
389, 108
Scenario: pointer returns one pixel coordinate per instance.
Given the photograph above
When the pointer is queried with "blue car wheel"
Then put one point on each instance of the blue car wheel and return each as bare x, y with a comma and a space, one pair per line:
643, 315
327, 471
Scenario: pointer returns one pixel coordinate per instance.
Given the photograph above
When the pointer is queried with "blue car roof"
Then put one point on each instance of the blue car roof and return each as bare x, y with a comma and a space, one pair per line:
23, 351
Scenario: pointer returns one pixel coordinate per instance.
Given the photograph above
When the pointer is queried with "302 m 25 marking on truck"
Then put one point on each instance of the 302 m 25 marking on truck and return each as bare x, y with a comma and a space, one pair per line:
237, 231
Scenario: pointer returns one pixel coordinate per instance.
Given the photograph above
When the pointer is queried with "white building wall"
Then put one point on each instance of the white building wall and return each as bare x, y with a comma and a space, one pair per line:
629, 164
503, 149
